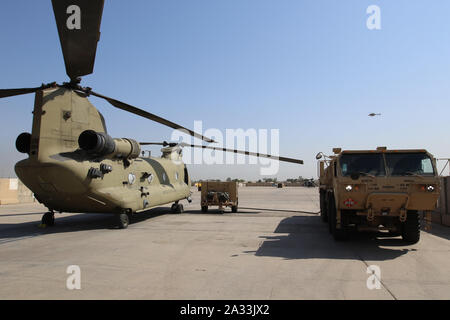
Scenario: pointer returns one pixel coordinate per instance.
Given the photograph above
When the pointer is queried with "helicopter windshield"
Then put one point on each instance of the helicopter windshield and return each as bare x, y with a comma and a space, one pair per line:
362, 163
400, 164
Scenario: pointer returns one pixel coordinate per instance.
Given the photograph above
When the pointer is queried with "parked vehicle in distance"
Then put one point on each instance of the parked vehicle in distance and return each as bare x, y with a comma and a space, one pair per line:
221, 194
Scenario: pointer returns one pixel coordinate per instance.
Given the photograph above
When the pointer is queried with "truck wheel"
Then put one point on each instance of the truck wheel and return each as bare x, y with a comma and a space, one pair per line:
204, 208
329, 198
234, 209
323, 207
394, 233
338, 234
411, 227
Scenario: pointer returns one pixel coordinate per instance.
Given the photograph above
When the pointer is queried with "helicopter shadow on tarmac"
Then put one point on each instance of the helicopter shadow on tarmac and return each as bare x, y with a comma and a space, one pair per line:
81, 222
71, 223
307, 237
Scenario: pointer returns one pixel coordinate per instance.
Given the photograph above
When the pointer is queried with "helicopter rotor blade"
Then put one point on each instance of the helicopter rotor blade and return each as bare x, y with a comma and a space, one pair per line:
165, 143
248, 153
78, 23
4, 93
126, 107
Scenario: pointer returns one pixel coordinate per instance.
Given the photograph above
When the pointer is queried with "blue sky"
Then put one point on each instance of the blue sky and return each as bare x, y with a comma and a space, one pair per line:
309, 68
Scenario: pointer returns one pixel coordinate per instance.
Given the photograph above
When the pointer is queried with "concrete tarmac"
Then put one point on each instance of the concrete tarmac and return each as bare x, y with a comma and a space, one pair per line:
275, 247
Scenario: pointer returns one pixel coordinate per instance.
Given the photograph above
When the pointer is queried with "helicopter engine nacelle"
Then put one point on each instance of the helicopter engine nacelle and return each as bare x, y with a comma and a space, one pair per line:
102, 145
23, 142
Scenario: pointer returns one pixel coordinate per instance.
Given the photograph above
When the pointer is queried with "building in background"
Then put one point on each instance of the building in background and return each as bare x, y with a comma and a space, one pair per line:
12, 190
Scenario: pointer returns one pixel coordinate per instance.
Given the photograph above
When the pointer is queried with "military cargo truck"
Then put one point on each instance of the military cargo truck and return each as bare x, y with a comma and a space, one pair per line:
221, 194
373, 190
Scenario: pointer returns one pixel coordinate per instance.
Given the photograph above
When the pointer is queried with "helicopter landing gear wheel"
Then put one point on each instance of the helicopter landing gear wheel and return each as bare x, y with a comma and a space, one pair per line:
48, 219
122, 220
177, 208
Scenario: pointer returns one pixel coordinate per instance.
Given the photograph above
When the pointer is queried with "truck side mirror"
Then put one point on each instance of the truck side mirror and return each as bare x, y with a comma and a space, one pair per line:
319, 156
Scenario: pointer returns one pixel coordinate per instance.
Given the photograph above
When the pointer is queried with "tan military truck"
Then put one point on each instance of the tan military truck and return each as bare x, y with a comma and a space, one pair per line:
373, 190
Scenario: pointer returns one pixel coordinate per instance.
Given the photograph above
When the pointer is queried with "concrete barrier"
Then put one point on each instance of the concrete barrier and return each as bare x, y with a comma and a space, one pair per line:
442, 213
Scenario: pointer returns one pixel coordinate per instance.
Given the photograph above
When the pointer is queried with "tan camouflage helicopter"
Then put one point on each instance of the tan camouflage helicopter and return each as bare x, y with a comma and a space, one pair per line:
73, 165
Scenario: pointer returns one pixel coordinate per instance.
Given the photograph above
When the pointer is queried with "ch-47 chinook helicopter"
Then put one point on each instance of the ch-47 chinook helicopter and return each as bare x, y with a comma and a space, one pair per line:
73, 165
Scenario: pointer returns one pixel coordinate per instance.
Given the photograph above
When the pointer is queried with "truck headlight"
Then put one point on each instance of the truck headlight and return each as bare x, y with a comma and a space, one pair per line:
349, 188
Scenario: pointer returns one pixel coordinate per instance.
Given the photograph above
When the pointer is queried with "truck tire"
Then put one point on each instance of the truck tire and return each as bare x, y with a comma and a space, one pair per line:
338, 234
204, 208
323, 206
411, 228
328, 197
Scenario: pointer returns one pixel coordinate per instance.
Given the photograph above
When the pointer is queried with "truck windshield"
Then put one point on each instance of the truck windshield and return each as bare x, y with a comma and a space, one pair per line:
362, 163
400, 164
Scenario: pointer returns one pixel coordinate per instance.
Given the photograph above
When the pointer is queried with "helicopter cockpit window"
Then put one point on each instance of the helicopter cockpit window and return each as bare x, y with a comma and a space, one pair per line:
131, 178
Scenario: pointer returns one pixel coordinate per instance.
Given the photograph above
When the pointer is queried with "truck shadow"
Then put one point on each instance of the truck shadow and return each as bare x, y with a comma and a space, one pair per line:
307, 237
439, 231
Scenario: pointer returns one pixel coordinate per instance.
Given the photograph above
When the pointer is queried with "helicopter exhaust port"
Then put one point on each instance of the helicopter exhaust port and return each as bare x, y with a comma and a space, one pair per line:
23, 142
102, 145
97, 143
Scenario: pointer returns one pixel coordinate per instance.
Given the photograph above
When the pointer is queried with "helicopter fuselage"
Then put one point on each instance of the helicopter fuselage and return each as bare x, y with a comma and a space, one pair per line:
67, 179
